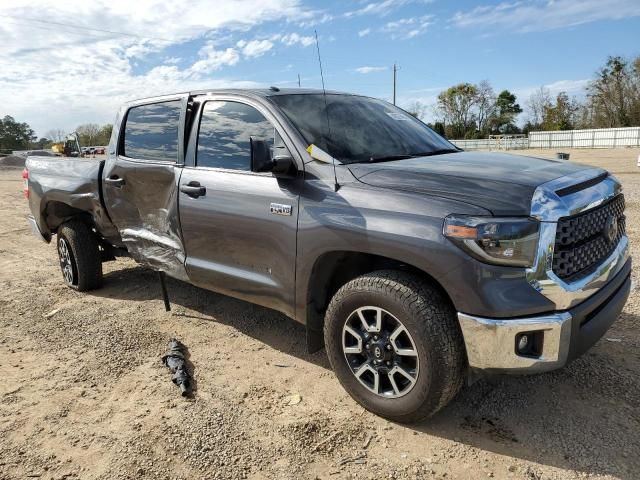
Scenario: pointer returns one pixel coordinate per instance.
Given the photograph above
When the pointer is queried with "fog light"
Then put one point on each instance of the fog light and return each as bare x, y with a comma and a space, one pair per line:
529, 344
522, 343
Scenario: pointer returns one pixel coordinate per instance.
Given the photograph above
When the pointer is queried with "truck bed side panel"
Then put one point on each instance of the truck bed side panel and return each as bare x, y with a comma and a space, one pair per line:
60, 186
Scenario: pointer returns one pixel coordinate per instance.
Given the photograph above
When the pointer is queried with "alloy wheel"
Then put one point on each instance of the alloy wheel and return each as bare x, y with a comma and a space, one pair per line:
380, 352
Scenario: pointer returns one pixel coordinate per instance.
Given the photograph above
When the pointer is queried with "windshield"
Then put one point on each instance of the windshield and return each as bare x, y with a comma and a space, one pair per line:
362, 129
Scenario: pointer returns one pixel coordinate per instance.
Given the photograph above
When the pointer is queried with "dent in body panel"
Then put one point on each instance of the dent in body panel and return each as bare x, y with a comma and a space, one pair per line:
60, 187
145, 212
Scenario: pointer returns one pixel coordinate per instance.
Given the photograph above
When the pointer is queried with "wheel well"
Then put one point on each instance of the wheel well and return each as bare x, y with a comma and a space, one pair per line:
334, 269
56, 213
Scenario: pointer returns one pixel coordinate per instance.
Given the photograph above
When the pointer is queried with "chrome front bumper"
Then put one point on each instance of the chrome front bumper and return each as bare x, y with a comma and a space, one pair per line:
491, 342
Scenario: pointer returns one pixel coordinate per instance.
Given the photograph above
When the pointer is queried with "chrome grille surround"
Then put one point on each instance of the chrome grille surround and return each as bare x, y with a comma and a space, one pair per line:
581, 242
548, 207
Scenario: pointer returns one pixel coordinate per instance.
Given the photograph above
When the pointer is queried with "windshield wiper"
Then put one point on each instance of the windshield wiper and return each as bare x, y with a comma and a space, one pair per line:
405, 156
386, 158
435, 152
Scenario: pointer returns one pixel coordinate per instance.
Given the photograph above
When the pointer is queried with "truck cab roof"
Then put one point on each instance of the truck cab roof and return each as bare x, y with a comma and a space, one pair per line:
255, 92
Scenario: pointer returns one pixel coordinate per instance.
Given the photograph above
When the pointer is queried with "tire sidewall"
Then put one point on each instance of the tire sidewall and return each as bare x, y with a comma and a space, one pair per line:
415, 399
72, 256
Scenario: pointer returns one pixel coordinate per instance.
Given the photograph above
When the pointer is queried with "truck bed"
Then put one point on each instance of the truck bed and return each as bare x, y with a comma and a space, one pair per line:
61, 187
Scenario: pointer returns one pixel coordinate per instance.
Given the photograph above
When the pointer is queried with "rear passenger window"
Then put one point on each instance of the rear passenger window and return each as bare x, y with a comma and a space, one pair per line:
151, 131
225, 128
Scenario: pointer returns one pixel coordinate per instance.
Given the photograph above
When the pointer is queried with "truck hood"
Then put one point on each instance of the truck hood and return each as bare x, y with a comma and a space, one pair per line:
501, 183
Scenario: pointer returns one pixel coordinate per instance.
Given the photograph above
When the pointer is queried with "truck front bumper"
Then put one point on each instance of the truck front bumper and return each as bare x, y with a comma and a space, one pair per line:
493, 344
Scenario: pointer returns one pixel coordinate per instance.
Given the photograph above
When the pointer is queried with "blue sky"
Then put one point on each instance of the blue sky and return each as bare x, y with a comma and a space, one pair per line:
116, 50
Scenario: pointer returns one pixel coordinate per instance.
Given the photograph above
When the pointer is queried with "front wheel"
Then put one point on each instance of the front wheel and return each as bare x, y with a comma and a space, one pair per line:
79, 255
395, 345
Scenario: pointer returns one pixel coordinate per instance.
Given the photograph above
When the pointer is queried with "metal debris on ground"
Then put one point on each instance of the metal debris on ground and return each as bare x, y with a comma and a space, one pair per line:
175, 360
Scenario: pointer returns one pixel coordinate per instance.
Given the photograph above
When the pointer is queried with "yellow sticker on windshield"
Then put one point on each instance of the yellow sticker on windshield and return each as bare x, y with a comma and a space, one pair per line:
319, 154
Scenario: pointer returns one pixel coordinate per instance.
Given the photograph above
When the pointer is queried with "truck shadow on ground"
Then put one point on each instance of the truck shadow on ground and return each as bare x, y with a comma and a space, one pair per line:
583, 417
192, 303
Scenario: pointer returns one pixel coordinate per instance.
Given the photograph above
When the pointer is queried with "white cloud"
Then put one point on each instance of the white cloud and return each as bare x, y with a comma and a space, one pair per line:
56, 74
294, 38
541, 15
365, 32
255, 48
212, 59
366, 70
571, 87
382, 8
406, 28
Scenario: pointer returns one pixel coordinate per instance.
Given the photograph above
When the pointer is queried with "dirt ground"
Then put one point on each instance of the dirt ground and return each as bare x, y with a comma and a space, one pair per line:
84, 393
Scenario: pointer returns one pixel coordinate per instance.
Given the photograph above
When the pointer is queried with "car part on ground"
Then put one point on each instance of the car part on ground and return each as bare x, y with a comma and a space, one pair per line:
175, 360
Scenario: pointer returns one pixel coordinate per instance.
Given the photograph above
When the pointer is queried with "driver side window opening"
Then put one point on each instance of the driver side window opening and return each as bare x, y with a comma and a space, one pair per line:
225, 131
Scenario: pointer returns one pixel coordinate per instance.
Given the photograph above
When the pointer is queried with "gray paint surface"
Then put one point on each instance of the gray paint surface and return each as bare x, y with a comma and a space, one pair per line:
229, 241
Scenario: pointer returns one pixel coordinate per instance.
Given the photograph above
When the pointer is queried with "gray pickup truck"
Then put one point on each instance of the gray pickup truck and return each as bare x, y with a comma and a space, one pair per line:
416, 264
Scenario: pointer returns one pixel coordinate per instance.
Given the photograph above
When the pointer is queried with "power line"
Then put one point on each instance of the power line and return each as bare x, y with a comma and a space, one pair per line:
83, 28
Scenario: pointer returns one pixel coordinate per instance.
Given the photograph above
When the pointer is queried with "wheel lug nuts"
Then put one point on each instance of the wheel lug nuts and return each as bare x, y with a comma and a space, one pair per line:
375, 337
388, 347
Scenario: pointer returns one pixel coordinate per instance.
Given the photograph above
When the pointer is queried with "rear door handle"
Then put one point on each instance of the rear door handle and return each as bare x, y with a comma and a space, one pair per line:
193, 189
115, 180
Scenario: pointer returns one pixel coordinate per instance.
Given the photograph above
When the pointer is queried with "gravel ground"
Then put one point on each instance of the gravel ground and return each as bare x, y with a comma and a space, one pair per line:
84, 394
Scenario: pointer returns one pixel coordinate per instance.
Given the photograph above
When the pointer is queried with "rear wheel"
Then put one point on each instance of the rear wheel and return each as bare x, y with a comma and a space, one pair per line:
395, 345
79, 255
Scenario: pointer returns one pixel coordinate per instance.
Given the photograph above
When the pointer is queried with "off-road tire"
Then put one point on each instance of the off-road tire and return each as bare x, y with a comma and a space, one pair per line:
431, 321
84, 253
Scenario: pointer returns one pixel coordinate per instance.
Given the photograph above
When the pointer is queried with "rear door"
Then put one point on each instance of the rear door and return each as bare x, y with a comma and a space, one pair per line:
140, 182
239, 227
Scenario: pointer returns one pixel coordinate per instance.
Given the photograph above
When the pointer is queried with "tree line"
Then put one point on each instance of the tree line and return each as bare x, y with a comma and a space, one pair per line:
612, 99
15, 135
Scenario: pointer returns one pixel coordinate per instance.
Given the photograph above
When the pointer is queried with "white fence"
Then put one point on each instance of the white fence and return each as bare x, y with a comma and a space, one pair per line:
593, 138
493, 143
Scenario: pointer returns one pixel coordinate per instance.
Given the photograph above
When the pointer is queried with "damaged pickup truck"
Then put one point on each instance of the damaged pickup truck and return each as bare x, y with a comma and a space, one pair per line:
416, 264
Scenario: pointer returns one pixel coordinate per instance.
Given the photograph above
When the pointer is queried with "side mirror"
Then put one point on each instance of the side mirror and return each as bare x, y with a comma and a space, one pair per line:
262, 161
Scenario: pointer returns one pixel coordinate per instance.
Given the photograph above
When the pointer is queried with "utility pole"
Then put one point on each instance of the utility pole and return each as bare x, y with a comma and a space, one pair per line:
298, 80
395, 69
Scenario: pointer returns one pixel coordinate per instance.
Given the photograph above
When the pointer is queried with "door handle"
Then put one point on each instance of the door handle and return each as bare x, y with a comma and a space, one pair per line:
115, 180
193, 189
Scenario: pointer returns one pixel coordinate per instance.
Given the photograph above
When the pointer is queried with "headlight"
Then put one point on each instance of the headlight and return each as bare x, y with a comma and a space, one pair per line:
501, 241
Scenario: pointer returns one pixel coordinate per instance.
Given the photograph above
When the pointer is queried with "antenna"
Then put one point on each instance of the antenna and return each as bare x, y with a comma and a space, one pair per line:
326, 111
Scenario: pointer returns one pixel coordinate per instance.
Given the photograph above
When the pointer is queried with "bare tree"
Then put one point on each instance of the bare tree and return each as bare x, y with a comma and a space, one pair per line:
485, 105
56, 135
88, 133
537, 103
417, 109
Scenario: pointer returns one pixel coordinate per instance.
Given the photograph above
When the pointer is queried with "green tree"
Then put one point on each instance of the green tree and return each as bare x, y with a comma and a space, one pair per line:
15, 135
42, 143
456, 106
562, 114
506, 112
614, 94
438, 127
104, 135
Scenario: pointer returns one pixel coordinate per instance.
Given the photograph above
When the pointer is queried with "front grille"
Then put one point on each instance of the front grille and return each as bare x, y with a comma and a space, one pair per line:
582, 241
